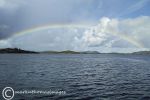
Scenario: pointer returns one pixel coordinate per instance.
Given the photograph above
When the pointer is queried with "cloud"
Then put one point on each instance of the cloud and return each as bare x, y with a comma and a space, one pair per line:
57, 11
24, 14
48, 39
10, 17
5, 44
3, 27
114, 33
135, 7
10, 4
108, 35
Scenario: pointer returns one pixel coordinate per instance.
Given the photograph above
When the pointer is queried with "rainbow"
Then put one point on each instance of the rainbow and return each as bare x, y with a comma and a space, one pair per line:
51, 26
131, 40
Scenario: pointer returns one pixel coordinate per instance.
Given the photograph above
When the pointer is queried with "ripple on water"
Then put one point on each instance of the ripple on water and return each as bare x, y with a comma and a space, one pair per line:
83, 77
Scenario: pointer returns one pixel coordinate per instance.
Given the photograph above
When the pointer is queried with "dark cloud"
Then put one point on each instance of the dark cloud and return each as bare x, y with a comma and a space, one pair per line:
12, 19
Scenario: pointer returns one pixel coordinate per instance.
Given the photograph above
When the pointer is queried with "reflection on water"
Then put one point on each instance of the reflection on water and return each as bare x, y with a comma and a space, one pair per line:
82, 76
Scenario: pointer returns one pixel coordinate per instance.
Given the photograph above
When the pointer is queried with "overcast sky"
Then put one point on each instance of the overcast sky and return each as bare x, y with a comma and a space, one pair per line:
109, 25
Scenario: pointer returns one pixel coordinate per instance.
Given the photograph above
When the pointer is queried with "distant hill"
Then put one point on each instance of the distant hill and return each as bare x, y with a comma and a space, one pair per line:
142, 52
90, 52
71, 52
15, 50
63, 52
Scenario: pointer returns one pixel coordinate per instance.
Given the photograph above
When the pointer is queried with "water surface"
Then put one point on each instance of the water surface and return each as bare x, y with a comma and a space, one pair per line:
82, 76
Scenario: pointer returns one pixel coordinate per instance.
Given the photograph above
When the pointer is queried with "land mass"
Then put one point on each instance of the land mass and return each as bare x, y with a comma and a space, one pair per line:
142, 52
71, 52
17, 50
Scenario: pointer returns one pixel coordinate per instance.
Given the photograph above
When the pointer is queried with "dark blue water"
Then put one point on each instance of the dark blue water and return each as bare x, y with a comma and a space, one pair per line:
82, 76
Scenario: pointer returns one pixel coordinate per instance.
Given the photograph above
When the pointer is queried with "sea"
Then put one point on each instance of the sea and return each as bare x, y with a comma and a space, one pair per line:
75, 76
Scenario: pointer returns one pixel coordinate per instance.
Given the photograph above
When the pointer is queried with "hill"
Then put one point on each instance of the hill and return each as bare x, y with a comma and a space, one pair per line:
71, 52
142, 52
15, 50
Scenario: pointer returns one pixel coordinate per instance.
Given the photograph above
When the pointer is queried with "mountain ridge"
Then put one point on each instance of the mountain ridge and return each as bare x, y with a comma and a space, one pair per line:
15, 50
18, 50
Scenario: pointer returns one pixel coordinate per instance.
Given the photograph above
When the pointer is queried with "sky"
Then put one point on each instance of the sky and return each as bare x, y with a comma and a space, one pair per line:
80, 25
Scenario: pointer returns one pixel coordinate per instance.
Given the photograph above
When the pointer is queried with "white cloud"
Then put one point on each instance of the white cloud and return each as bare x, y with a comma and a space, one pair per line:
10, 5
5, 44
109, 35
114, 33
